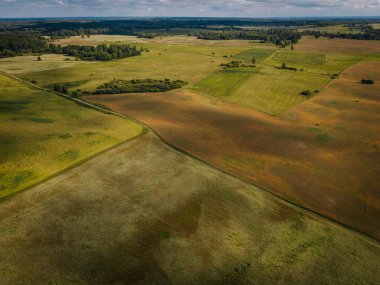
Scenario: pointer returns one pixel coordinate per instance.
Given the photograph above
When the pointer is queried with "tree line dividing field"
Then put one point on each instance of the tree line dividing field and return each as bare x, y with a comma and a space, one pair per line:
25, 44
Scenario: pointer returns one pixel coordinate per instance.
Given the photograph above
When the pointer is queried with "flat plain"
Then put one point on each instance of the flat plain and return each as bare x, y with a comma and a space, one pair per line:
104, 222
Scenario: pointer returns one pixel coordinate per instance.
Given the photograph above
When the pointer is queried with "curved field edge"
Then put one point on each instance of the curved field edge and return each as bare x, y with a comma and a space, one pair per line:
187, 224
43, 135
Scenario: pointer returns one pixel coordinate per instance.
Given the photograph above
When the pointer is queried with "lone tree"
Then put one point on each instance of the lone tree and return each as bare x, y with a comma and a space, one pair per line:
368, 81
306, 93
39, 58
284, 66
254, 60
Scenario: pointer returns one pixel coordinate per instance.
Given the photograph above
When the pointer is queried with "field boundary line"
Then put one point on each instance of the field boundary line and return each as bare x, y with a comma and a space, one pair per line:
276, 197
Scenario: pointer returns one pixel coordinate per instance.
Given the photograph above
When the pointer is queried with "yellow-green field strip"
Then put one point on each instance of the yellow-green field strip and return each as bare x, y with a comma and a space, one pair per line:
286, 202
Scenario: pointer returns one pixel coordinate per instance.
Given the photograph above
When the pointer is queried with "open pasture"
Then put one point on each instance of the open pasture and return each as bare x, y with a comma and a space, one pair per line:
321, 63
265, 89
311, 154
42, 134
168, 219
272, 90
26, 64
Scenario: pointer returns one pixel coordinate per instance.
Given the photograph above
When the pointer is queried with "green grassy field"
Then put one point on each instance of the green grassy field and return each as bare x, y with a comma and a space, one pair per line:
42, 134
259, 54
273, 91
313, 62
222, 84
270, 89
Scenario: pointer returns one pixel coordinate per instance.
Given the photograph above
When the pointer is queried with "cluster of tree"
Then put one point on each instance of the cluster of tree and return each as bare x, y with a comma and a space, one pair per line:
284, 66
100, 52
236, 64
15, 44
277, 36
368, 81
152, 27
128, 26
60, 88
117, 86
20, 43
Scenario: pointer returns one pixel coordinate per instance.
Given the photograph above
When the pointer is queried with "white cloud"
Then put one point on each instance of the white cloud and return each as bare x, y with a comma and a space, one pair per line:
237, 8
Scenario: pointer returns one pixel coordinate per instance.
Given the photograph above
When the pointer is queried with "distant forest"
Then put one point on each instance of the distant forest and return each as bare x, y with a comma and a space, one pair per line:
30, 36
21, 44
276, 36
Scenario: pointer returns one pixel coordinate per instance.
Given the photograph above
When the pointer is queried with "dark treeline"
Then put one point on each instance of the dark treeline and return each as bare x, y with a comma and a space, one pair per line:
19, 43
368, 34
147, 27
14, 44
100, 52
276, 36
139, 86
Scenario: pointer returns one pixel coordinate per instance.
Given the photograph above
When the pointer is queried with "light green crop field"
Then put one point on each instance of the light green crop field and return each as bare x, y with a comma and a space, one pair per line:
266, 89
272, 90
42, 134
222, 84
313, 62
25, 64
259, 54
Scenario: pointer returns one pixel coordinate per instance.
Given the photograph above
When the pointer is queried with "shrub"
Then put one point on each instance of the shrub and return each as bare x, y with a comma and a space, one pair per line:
306, 93
367, 81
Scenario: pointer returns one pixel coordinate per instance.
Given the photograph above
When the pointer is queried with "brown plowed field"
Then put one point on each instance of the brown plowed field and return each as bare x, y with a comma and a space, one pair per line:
323, 154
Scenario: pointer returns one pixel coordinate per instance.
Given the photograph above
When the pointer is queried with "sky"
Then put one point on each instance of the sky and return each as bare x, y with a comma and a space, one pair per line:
191, 8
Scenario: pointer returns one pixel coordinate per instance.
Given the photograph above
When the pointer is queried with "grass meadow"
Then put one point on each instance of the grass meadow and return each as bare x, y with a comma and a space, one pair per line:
43, 134
272, 90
